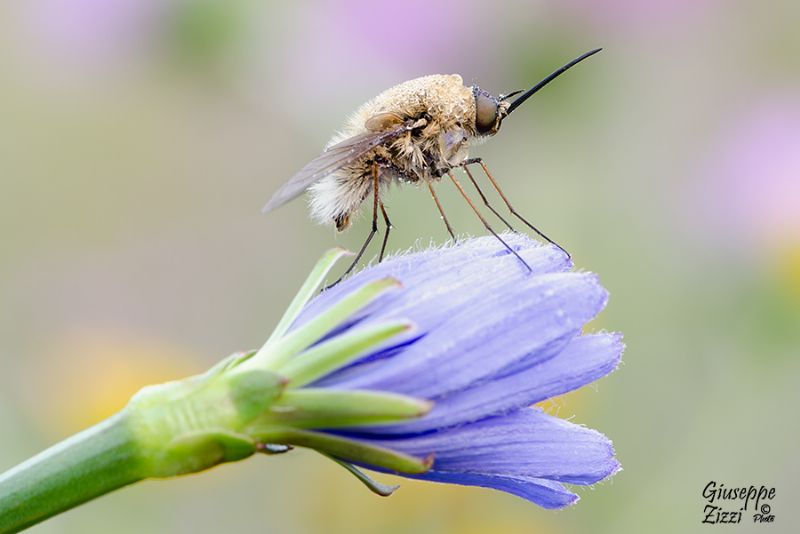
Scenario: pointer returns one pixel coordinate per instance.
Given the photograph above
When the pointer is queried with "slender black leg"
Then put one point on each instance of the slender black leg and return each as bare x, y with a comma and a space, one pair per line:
441, 211
484, 221
388, 229
483, 197
372, 232
510, 207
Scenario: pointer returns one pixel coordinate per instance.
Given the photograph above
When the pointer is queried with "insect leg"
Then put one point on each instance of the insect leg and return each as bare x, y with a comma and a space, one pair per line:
388, 229
511, 208
484, 221
483, 197
372, 232
441, 211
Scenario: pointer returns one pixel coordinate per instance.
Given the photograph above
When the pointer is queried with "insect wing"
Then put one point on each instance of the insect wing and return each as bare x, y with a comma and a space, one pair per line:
331, 160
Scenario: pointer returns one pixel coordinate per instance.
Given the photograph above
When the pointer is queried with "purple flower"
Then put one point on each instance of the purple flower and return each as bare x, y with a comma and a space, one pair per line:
432, 378
489, 340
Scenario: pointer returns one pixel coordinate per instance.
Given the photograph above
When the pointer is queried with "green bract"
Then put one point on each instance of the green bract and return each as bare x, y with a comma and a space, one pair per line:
256, 401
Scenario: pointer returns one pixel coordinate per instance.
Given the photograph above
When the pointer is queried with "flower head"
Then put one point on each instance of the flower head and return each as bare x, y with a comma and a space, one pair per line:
427, 365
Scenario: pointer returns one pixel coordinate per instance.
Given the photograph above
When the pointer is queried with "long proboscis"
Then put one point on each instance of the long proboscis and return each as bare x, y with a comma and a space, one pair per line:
530, 92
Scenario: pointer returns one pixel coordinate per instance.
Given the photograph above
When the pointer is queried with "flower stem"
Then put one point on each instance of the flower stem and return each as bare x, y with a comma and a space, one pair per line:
94, 462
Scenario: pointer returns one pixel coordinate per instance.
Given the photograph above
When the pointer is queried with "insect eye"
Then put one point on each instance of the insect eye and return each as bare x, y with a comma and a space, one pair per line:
485, 112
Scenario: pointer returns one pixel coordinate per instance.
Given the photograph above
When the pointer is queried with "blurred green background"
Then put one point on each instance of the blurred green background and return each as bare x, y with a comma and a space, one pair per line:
140, 138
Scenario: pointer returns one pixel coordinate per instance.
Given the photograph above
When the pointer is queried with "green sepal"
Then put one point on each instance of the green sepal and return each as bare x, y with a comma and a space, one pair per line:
345, 449
384, 490
315, 278
189, 425
201, 450
274, 355
228, 363
253, 391
330, 408
329, 356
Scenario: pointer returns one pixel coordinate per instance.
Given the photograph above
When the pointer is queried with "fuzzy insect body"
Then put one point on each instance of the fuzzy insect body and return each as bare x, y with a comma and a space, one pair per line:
442, 112
414, 132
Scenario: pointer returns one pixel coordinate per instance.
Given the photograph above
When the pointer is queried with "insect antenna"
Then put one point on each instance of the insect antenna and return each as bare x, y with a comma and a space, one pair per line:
441, 211
509, 95
484, 221
372, 232
510, 207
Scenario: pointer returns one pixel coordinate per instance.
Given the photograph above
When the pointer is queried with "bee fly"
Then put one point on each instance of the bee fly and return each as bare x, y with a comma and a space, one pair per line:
417, 131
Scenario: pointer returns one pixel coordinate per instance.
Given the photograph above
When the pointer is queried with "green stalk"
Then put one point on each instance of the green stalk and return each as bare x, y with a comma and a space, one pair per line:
94, 462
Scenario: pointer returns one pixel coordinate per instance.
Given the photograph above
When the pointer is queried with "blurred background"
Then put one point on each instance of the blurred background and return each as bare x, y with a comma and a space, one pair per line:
139, 140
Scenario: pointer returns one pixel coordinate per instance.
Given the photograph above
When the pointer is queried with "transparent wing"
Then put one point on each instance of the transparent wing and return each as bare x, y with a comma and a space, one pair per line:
333, 159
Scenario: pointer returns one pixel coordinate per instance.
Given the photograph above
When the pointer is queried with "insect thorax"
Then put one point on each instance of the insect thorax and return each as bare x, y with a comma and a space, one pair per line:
448, 110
